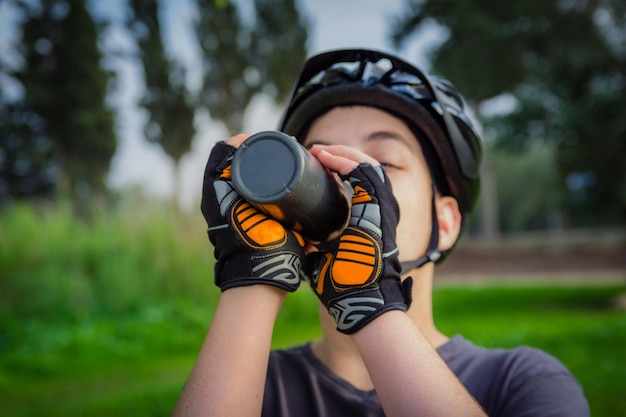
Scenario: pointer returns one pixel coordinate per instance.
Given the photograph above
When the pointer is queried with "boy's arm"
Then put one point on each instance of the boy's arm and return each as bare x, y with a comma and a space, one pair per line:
257, 263
229, 375
409, 375
370, 302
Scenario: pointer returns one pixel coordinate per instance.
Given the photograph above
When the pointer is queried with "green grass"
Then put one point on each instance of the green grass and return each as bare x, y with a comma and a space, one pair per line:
579, 325
136, 364
106, 317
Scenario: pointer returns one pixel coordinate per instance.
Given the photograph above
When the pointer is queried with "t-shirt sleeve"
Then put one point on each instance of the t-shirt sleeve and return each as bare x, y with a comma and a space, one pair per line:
538, 385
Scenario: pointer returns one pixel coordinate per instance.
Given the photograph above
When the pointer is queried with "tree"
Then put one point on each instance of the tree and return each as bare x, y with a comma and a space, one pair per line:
64, 94
26, 166
169, 105
565, 65
279, 45
241, 59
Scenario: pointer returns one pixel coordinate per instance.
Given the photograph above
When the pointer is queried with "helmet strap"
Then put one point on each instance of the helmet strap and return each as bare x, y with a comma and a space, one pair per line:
432, 252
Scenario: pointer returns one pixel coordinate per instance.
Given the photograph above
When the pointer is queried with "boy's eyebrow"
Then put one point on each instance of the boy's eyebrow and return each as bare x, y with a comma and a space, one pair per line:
393, 136
384, 134
372, 137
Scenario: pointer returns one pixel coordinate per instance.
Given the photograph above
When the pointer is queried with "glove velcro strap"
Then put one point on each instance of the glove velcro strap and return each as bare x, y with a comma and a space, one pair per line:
355, 310
245, 281
280, 269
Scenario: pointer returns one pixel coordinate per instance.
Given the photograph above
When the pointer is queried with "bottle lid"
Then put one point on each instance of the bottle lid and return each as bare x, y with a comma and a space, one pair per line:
266, 167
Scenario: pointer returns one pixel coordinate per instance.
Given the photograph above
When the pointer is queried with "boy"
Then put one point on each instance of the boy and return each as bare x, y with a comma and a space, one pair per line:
377, 122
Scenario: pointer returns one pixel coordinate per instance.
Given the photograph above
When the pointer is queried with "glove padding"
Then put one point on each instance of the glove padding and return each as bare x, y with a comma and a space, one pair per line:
249, 247
359, 279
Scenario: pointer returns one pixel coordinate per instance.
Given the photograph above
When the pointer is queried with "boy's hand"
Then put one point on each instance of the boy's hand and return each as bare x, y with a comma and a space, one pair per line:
249, 247
360, 279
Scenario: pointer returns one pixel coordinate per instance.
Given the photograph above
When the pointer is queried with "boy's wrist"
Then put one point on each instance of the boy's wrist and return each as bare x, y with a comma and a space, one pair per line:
254, 299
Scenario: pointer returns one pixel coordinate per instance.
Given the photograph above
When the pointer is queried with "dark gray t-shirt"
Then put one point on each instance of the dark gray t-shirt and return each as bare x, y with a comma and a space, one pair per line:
518, 382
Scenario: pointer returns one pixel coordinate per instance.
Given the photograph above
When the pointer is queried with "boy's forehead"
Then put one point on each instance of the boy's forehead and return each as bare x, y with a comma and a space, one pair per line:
359, 125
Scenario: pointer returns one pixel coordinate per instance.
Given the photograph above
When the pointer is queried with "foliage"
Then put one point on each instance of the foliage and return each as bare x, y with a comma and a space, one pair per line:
564, 63
241, 59
166, 99
278, 45
60, 132
62, 109
225, 44
527, 206
52, 265
27, 168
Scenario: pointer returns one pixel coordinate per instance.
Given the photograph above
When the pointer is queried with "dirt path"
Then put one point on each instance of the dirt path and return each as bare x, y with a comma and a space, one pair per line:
573, 262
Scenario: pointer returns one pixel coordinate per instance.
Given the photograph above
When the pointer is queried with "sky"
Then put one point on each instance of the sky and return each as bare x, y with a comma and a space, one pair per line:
333, 24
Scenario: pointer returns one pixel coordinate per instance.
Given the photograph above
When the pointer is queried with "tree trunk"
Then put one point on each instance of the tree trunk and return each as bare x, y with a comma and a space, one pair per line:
488, 208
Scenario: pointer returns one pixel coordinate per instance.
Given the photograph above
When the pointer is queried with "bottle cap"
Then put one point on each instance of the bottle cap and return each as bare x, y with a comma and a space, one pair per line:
267, 167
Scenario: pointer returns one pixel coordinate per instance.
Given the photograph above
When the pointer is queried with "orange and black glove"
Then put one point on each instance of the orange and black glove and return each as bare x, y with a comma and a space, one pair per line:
249, 247
359, 279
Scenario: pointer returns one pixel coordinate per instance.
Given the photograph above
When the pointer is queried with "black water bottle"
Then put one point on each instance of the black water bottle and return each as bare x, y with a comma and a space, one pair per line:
281, 178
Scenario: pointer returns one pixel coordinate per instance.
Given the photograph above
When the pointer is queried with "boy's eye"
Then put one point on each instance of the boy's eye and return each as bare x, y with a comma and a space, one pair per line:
387, 165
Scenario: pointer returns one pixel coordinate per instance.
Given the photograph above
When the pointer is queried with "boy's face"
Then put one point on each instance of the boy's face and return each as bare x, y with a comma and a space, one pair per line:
388, 140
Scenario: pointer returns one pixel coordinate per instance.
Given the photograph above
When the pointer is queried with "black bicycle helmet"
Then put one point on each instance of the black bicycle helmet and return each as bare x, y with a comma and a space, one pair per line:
431, 106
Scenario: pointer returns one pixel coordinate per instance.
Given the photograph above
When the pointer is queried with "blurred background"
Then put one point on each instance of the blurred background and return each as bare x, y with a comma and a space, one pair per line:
109, 109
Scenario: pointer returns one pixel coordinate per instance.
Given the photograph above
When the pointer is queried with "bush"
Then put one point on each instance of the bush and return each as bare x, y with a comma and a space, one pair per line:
52, 264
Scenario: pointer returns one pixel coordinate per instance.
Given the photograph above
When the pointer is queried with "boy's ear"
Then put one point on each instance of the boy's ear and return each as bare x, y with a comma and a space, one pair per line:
449, 219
